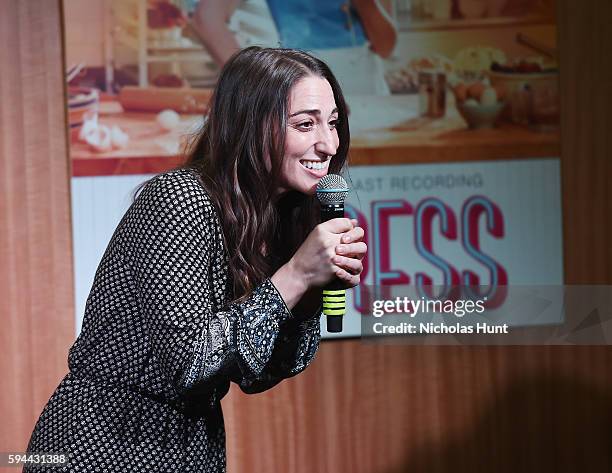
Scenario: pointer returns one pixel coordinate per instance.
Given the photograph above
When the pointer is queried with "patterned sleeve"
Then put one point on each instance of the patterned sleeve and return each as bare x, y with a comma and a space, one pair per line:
295, 348
169, 241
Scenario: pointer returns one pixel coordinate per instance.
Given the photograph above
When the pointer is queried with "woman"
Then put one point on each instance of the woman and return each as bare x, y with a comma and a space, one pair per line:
352, 35
212, 275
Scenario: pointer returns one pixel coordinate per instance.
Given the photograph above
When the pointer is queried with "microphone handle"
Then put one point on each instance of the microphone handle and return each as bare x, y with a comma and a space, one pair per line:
334, 294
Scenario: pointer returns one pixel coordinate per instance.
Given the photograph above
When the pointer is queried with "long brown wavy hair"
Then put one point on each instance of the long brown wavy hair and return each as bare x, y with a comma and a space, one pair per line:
247, 121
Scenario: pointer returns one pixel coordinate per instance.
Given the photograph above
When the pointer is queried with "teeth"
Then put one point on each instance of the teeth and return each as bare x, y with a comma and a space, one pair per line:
314, 164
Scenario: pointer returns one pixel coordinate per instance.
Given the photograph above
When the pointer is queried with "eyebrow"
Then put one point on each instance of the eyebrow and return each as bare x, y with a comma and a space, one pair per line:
313, 111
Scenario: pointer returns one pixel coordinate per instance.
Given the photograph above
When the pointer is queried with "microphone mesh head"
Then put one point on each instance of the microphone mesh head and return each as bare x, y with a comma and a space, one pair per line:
332, 189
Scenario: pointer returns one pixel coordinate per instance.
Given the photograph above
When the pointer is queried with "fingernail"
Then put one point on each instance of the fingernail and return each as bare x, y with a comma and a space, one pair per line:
346, 238
340, 249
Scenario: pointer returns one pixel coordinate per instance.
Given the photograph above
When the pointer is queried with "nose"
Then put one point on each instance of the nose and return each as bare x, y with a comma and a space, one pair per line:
327, 141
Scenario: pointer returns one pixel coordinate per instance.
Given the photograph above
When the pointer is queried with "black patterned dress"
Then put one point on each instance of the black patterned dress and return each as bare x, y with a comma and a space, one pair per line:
160, 343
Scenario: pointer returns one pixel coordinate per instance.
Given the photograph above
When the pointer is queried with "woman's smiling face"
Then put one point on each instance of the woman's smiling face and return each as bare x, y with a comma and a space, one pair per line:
311, 137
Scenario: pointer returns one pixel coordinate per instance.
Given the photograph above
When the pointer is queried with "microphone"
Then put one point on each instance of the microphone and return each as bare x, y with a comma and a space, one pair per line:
331, 192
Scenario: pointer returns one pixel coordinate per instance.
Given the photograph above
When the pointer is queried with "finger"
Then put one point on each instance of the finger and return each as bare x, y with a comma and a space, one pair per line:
357, 249
351, 265
350, 280
353, 235
338, 225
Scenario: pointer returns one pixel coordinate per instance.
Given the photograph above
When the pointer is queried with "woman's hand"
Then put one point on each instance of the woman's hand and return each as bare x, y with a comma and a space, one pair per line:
314, 258
349, 255
314, 264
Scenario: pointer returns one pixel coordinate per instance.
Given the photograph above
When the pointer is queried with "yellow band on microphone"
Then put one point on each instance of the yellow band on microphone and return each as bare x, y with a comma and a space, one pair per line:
334, 305
334, 292
334, 311
334, 302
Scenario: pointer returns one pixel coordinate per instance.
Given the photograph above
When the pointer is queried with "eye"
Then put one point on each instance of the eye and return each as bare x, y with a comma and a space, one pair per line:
305, 125
334, 123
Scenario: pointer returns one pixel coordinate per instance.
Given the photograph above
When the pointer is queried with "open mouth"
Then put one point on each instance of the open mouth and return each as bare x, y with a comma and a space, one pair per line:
315, 165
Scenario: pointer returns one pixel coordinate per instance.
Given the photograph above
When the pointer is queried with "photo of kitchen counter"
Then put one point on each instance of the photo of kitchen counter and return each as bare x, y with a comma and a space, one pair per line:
399, 135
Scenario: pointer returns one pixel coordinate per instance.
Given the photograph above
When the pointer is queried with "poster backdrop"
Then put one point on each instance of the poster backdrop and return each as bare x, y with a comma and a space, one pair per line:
427, 81
421, 221
457, 224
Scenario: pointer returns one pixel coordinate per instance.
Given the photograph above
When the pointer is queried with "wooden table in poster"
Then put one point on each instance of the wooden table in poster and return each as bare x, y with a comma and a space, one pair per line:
152, 150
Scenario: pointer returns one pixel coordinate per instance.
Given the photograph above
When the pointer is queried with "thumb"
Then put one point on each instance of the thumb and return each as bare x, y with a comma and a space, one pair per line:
338, 225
